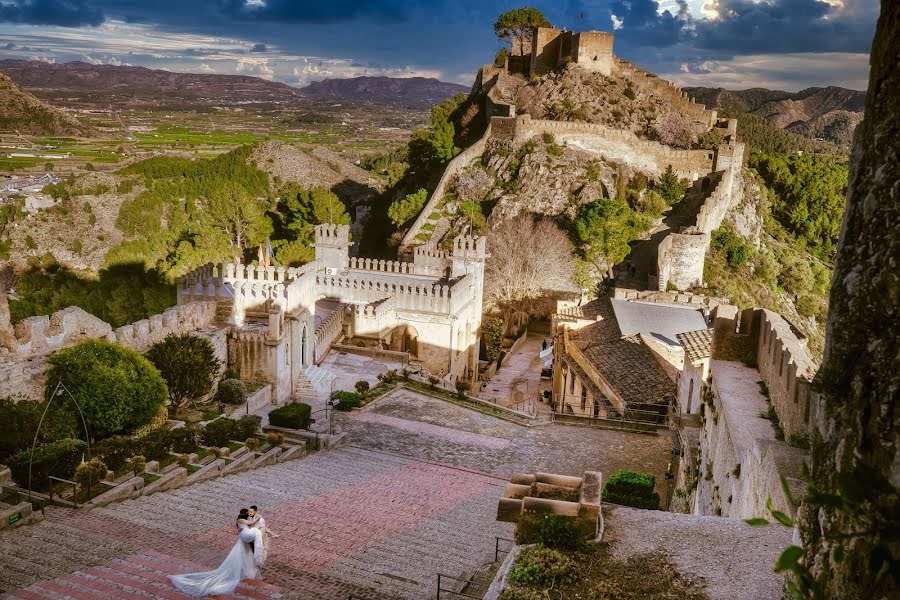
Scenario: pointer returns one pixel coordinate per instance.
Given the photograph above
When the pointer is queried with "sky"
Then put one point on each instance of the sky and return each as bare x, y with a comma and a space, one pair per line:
736, 44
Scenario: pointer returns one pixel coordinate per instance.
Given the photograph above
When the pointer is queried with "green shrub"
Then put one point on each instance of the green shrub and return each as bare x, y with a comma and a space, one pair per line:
292, 416
246, 426
185, 440
539, 565
115, 451
799, 439
155, 445
219, 432
345, 400
462, 387
57, 459
230, 373
252, 443
90, 473
559, 532
631, 488
116, 388
362, 387
629, 93
137, 464
19, 418
232, 391
188, 364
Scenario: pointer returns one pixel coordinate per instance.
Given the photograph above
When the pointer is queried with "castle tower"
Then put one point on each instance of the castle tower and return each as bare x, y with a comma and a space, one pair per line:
333, 246
469, 255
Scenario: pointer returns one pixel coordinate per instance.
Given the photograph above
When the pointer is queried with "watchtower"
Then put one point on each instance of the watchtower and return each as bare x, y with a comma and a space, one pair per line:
332, 246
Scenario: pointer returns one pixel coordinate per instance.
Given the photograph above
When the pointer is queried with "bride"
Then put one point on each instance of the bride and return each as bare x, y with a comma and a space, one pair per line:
241, 563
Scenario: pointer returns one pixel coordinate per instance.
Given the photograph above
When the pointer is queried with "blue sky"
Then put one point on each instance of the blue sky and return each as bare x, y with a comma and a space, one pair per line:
783, 44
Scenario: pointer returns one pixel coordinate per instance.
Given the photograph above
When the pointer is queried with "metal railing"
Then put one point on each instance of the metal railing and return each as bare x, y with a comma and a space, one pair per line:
67, 482
603, 414
450, 592
498, 551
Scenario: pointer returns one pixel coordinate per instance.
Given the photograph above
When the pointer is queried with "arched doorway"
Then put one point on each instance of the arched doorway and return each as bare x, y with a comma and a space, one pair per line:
405, 338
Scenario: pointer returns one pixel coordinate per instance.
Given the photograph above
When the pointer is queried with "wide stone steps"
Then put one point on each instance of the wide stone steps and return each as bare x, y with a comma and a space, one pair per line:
136, 577
440, 230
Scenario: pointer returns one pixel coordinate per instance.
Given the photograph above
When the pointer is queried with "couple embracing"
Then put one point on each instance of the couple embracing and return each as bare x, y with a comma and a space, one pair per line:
243, 562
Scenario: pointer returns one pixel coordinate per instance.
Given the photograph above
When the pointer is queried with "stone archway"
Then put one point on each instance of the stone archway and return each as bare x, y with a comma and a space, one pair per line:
404, 338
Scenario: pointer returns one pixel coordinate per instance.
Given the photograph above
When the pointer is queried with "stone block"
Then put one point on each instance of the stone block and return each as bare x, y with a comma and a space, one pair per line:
152, 466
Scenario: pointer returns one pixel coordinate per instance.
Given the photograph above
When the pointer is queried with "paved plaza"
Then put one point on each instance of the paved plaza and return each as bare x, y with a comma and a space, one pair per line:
415, 494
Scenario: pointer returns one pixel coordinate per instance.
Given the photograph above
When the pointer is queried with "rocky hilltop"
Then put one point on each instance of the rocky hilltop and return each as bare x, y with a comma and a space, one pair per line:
22, 112
413, 92
829, 113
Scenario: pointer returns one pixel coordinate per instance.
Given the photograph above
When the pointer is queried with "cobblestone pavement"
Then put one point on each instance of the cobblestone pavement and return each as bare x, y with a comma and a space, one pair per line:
416, 494
520, 376
350, 368
377, 525
552, 447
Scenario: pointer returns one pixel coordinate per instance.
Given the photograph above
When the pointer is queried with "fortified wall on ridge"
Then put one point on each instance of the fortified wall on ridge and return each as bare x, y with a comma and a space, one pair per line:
715, 173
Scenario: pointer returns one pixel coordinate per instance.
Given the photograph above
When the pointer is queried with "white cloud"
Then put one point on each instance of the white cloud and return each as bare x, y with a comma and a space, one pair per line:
205, 68
255, 66
617, 22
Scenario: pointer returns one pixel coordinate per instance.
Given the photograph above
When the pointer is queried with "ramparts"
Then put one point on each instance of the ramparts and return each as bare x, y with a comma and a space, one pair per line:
615, 144
783, 359
670, 92
454, 167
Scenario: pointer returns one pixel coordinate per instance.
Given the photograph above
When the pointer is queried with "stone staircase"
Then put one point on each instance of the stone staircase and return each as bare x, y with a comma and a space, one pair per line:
440, 230
314, 385
224, 310
136, 577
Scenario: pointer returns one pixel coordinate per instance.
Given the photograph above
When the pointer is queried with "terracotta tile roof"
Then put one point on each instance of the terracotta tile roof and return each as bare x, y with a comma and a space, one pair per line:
696, 344
604, 330
629, 367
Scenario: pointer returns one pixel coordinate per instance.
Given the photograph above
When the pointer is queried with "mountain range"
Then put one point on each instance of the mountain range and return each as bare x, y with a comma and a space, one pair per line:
82, 84
829, 113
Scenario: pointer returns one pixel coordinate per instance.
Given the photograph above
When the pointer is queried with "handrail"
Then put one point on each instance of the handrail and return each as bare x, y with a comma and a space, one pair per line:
74, 487
497, 550
440, 588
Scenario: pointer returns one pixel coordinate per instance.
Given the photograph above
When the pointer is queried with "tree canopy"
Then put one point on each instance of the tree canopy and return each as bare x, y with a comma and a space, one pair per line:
189, 366
117, 389
603, 229
297, 211
518, 26
239, 217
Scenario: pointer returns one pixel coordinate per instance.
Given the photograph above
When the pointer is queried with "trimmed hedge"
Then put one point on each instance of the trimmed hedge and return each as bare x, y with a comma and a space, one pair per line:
59, 459
232, 391
291, 416
346, 400
221, 431
631, 488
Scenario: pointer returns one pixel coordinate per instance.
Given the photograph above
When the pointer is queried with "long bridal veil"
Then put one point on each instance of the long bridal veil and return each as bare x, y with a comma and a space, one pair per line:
238, 565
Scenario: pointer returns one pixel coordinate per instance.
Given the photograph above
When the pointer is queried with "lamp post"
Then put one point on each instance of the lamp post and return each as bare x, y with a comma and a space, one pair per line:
57, 391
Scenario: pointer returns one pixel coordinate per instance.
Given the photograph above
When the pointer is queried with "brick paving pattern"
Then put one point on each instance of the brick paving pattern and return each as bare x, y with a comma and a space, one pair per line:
414, 495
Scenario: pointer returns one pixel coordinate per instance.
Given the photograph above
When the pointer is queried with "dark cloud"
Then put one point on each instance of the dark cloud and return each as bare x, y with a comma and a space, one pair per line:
319, 11
643, 24
784, 26
64, 13
9, 46
259, 48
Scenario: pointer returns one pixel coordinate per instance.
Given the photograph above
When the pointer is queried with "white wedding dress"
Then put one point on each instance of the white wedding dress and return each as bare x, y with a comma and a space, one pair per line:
241, 563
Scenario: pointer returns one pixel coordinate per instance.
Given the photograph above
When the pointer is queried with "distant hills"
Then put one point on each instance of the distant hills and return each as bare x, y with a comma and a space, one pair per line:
127, 87
22, 112
418, 92
86, 85
830, 113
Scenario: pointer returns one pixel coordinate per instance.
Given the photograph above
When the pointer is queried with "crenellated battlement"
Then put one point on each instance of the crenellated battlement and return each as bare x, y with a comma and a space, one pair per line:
331, 234
385, 266
470, 246
183, 318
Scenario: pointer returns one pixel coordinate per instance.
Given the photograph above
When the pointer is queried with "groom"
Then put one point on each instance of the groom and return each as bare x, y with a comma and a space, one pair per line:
255, 519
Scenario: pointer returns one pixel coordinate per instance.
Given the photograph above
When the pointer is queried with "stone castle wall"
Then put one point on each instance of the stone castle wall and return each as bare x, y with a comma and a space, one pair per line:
23, 356
787, 367
670, 92
454, 167
680, 259
591, 50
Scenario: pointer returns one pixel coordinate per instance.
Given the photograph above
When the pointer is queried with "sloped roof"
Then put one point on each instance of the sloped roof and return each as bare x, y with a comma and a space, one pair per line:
629, 367
697, 344
660, 321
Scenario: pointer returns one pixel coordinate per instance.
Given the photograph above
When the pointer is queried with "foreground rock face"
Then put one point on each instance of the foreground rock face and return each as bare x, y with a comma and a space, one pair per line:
858, 439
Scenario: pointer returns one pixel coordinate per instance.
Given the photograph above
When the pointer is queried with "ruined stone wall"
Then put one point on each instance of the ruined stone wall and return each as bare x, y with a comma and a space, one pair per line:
454, 167
615, 144
545, 50
680, 260
592, 50
24, 361
671, 93
697, 300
